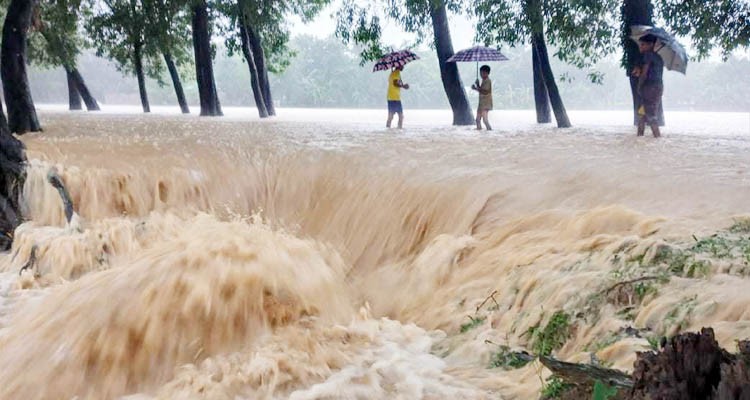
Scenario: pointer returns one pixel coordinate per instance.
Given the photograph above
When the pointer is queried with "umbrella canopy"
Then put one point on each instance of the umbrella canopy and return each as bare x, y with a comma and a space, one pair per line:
672, 52
478, 53
395, 59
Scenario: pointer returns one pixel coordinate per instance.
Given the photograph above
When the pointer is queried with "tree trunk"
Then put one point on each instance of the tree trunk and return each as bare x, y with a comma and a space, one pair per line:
259, 56
176, 83
635, 12
561, 116
536, 22
204, 71
3, 122
21, 112
452, 84
74, 98
541, 95
260, 102
12, 178
138, 63
83, 90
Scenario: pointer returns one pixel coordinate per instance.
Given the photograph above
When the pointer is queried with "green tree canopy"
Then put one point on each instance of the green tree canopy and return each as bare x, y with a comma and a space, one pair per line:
582, 32
716, 24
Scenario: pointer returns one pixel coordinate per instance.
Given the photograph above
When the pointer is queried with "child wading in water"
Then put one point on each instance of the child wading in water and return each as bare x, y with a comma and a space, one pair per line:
485, 97
394, 97
650, 85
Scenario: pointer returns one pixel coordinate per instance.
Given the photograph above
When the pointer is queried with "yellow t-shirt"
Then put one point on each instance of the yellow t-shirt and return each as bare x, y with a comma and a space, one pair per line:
394, 92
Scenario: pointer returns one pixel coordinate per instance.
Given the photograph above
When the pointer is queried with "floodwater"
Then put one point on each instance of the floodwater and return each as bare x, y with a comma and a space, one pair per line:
319, 256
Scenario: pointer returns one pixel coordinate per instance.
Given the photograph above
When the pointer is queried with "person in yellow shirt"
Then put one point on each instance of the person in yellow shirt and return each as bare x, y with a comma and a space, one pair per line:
485, 98
394, 96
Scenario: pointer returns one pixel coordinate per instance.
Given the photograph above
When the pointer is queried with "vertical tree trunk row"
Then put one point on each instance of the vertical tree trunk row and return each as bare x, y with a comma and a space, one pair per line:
74, 98
21, 112
452, 84
541, 96
83, 90
176, 83
138, 64
536, 21
260, 102
561, 115
259, 56
204, 71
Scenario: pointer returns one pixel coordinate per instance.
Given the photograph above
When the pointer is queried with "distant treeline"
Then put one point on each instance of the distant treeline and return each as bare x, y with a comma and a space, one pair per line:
326, 73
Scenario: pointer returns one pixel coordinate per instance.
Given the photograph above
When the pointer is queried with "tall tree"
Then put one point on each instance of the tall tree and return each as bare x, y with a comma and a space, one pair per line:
204, 71
259, 29
118, 31
167, 32
361, 25
55, 42
13, 59
580, 31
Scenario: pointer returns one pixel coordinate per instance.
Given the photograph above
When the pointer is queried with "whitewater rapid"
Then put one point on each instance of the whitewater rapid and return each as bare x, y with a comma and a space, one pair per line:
319, 259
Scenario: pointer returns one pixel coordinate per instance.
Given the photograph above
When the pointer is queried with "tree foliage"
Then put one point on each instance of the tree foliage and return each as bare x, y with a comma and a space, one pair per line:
716, 24
117, 28
271, 20
582, 32
55, 40
360, 23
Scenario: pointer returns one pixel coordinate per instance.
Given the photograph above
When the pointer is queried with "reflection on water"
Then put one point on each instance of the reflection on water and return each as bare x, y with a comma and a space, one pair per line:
320, 256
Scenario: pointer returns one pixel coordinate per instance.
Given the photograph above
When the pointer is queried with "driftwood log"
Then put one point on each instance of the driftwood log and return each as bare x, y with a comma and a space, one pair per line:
586, 374
688, 366
54, 179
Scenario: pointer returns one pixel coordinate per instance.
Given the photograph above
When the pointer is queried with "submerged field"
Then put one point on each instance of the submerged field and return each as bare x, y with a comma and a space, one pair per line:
319, 256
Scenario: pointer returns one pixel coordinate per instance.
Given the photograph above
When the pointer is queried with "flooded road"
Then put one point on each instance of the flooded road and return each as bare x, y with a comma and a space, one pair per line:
319, 256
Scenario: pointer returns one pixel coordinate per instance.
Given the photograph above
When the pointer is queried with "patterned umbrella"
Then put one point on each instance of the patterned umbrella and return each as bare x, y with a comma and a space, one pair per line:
672, 53
395, 59
477, 54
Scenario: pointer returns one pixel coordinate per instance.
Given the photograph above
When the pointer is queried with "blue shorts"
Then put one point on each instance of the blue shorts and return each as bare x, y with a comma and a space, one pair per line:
394, 107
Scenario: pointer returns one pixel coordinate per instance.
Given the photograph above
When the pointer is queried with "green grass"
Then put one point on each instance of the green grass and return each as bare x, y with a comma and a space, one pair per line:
741, 225
506, 359
554, 388
602, 391
552, 336
473, 323
654, 342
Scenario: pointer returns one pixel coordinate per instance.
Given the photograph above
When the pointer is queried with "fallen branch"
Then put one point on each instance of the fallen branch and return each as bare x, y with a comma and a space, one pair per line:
54, 179
491, 296
641, 279
32, 260
586, 374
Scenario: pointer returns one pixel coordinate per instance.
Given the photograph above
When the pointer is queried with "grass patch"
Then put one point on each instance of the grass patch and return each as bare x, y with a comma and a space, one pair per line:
741, 225
554, 388
473, 323
602, 391
507, 359
654, 342
552, 336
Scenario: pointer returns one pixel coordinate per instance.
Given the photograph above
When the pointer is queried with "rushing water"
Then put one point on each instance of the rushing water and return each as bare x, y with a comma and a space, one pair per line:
319, 256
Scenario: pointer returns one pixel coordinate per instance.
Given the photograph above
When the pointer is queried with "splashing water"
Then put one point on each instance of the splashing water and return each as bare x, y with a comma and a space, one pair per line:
225, 259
